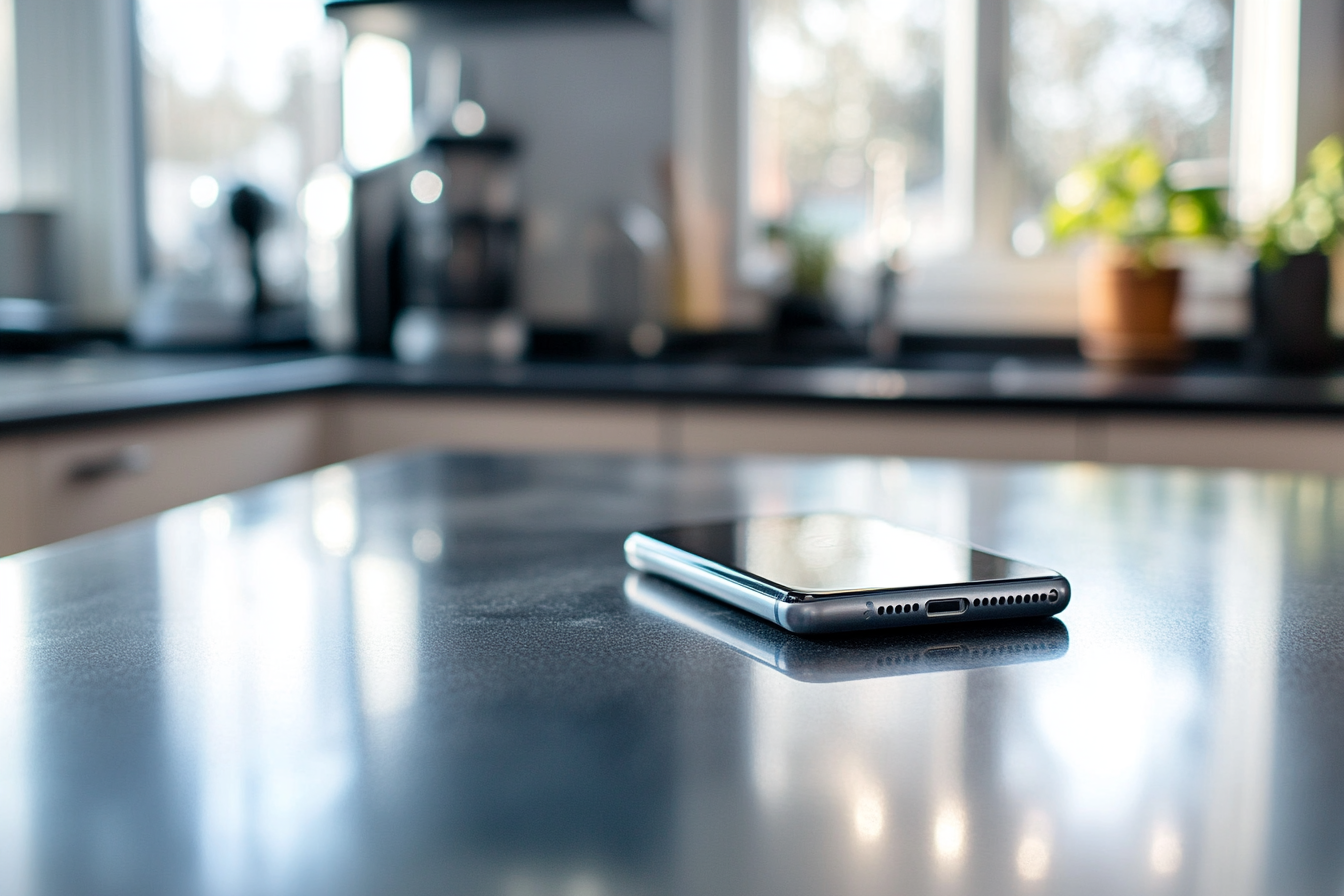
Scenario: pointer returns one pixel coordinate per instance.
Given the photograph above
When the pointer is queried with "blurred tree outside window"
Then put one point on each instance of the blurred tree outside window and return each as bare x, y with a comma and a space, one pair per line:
1085, 76
846, 100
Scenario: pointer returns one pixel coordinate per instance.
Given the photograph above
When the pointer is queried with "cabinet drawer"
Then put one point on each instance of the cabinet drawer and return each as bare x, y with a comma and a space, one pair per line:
368, 425
1263, 444
15, 498
91, 478
706, 430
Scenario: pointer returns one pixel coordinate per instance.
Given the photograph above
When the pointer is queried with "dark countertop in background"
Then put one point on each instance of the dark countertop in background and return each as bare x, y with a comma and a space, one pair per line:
424, 674
47, 390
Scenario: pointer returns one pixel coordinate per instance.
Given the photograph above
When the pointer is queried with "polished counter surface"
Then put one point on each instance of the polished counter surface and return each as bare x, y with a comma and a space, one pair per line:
50, 389
40, 391
431, 674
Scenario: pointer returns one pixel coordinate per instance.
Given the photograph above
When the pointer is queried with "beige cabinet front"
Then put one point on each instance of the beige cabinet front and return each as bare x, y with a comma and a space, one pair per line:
882, 431
92, 477
64, 483
370, 424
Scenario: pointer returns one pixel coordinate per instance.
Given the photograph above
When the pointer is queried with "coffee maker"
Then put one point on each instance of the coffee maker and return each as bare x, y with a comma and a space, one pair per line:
437, 240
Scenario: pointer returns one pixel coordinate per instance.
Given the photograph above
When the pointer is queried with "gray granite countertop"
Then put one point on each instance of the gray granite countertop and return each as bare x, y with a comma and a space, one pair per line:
431, 674
45, 390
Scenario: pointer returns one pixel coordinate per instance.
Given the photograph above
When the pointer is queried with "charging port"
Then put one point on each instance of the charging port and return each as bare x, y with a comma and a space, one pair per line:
947, 607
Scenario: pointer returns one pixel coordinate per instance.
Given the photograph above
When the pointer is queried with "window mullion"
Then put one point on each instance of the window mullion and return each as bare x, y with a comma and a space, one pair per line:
992, 182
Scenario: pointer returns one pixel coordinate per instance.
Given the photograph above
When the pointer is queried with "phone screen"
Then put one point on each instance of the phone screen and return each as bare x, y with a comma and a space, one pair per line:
825, 552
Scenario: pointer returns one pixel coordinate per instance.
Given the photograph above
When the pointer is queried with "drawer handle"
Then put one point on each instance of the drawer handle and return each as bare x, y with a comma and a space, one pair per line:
127, 460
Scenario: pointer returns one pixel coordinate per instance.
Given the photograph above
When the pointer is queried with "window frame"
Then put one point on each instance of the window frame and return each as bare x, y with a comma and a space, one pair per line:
987, 288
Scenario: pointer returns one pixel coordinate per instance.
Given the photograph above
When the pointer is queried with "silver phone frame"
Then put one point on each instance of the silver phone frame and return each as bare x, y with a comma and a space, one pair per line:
847, 611
937, 649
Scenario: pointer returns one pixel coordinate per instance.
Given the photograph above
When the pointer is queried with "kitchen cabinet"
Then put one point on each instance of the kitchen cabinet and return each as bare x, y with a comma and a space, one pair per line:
1263, 443
15, 516
1205, 440
78, 479
708, 430
369, 424
74, 479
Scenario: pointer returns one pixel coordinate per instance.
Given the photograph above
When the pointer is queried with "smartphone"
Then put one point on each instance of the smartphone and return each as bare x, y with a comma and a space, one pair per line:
851, 657
813, 573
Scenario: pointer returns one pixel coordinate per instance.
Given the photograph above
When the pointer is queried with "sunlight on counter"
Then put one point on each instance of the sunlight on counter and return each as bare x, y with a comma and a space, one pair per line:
261, 727
16, 820
1109, 745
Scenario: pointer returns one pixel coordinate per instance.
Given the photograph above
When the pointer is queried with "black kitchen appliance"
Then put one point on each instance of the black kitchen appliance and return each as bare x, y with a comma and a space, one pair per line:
436, 231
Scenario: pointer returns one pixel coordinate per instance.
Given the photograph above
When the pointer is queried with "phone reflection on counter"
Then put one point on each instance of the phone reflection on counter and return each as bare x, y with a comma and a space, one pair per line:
857, 656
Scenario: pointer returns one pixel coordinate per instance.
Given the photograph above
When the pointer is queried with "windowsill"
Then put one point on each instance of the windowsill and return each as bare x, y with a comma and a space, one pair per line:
1001, 293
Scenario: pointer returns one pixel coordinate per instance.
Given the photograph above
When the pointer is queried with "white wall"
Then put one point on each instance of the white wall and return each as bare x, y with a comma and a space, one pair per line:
591, 101
75, 62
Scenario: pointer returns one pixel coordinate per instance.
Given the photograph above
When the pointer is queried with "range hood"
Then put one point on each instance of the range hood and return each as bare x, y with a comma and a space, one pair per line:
503, 12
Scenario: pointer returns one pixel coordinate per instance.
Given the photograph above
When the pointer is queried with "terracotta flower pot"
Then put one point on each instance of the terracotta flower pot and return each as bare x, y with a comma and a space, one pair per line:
1127, 312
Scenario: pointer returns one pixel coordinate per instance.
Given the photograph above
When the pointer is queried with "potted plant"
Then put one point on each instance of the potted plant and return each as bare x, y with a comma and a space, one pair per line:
1290, 284
804, 320
1128, 287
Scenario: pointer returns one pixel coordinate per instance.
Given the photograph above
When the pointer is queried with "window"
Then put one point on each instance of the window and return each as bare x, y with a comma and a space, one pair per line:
939, 129
847, 120
1084, 76
236, 92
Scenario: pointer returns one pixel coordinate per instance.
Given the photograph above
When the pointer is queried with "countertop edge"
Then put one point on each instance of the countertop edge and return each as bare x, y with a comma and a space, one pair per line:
1014, 391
